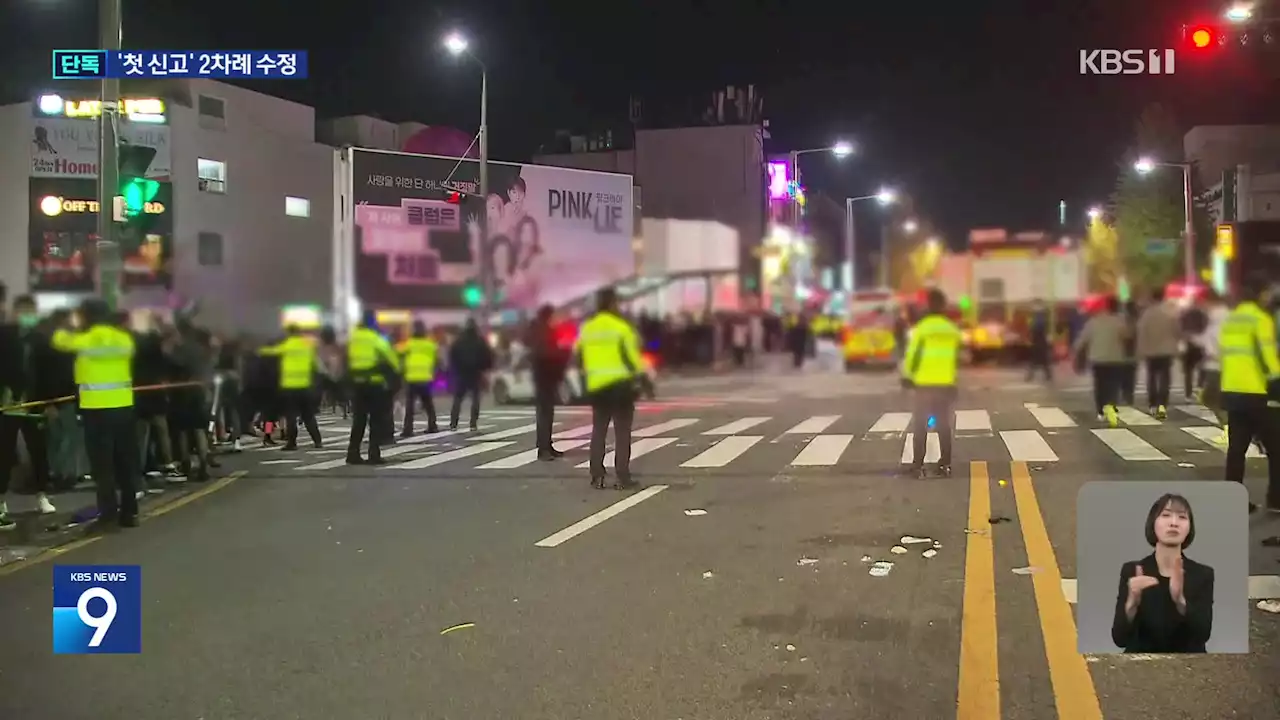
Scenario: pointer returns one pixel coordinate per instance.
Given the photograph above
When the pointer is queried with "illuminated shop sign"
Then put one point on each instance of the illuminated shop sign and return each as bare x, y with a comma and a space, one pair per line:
143, 110
53, 206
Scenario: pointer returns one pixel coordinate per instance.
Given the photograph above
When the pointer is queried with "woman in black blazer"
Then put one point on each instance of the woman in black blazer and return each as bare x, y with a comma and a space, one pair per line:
1165, 600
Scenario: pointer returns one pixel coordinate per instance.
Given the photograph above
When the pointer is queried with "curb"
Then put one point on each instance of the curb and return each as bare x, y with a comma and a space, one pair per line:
79, 537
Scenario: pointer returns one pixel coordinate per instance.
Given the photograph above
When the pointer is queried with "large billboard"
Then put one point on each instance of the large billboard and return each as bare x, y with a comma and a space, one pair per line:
68, 148
555, 234
64, 232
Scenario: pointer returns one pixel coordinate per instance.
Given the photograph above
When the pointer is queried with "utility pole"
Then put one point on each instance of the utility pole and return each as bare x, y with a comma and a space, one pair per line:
486, 260
108, 260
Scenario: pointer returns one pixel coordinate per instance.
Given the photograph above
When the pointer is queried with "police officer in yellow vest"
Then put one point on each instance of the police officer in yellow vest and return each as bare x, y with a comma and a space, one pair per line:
608, 357
1250, 387
104, 373
930, 366
299, 364
420, 352
371, 364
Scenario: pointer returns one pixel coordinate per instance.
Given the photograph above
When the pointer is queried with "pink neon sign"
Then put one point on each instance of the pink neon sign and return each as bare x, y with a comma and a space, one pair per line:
779, 179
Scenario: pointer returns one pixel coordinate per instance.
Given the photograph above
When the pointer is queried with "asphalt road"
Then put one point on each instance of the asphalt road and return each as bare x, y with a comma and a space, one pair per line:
325, 593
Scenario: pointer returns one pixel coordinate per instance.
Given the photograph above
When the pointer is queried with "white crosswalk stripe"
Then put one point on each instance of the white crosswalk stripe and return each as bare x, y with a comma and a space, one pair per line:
1032, 433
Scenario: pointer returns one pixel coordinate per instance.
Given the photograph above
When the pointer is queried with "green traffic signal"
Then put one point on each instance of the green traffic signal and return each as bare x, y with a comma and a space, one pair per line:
472, 295
137, 192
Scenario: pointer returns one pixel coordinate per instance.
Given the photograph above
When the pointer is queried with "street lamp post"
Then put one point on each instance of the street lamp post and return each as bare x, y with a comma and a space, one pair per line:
1146, 166
457, 44
884, 197
840, 149
110, 31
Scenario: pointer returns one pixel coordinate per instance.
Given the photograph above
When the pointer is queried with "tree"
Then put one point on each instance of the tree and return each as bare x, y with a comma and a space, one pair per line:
1102, 256
1149, 207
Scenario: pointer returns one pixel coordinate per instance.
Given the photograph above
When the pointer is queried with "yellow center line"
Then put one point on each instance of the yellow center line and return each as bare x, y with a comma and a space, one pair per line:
1073, 691
979, 691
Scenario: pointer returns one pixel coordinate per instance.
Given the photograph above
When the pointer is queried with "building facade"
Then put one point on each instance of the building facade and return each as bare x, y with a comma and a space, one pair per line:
243, 215
715, 173
1251, 153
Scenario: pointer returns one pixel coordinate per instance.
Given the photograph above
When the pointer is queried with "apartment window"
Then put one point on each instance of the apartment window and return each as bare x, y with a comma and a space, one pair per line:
297, 207
209, 249
212, 174
211, 112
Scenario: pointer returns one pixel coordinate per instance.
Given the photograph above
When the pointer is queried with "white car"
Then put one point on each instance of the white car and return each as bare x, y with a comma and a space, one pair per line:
514, 384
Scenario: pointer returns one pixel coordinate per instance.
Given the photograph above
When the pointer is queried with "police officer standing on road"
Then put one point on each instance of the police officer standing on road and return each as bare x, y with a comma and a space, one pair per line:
104, 373
420, 353
298, 366
929, 365
371, 363
1250, 387
608, 355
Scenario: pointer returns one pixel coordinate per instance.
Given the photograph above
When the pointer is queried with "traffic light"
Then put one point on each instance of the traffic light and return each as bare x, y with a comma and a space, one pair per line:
472, 295
1201, 37
135, 187
453, 198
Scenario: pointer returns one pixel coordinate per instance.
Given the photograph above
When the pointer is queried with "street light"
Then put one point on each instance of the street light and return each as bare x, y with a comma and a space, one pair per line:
1240, 12
885, 196
458, 45
1146, 166
1095, 213
841, 149
910, 226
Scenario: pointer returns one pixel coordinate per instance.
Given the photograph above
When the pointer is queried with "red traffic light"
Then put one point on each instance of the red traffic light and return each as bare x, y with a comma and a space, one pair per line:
1202, 37
453, 198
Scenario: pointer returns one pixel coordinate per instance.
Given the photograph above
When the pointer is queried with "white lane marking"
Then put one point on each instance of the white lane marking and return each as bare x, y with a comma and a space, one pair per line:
892, 422
1028, 446
432, 437
279, 462
822, 451
639, 448
664, 427
573, 433
737, 426
1207, 435
595, 519
276, 448
331, 464
508, 433
1128, 445
1051, 417
1132, 416
1199, 412
723, 452
528, 456
814, 425
932, 450
449, 456
973, 421
1261, 587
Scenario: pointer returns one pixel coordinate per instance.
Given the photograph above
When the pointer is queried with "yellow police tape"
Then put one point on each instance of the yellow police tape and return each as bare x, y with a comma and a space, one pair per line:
70, 398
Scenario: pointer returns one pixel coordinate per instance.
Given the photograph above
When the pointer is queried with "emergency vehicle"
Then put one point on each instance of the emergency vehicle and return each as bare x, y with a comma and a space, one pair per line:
513, 383
868, 337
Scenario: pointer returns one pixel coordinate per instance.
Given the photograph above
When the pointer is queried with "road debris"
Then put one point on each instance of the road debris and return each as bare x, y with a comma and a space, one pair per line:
708, 574
913, 540
1271, 606
1185, 465
695, 512
881, 568
807, 561
997, 519
928, 553
898, 550
459, 626
866, 558
1029, 570
791, 648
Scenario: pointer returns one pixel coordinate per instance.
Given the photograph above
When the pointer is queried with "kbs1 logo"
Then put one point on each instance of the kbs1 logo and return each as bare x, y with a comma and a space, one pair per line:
97, 609
1126, 62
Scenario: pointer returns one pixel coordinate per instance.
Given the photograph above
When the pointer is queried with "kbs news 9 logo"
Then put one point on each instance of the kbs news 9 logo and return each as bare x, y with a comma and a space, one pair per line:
97, 609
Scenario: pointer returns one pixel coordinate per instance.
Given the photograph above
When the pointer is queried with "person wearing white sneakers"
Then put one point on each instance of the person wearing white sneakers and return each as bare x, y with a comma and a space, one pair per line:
1216, 312
18, 375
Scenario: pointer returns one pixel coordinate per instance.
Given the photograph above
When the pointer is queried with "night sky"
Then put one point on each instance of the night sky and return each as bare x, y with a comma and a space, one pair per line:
974, 108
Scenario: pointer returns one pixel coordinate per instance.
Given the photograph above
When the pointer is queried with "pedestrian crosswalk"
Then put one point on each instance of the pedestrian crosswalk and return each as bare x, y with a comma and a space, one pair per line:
1033, 433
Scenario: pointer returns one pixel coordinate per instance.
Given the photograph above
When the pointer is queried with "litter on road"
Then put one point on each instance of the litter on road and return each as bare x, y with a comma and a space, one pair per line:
806, 561
1030, 570
881, 569
898, 550
913, 540
694, 512
459, 626
1271, 606
928, 553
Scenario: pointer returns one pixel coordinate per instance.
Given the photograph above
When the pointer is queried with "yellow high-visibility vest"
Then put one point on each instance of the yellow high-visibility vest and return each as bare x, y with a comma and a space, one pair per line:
366, 352
419, 359
610, 351
104, 365
1247, 343
297, 362
933, 353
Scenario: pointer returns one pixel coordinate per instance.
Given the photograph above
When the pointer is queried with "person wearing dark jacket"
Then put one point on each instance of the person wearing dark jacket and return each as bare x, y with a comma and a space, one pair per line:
150, 368
261, 393
191, 363
68, 462
470, 357
548, 363
18, 339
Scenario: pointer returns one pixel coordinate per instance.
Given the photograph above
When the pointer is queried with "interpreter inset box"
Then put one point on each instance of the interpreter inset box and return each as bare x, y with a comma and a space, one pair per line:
1163, 567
